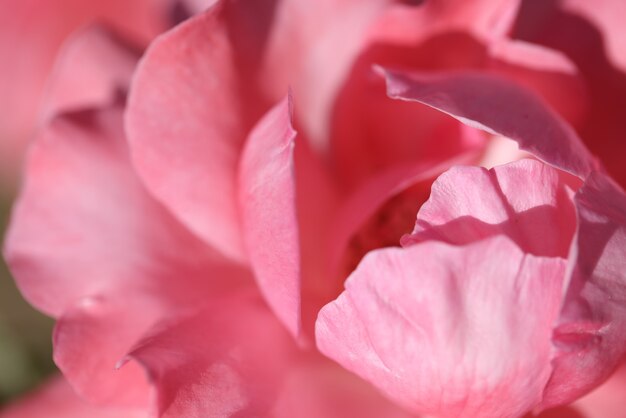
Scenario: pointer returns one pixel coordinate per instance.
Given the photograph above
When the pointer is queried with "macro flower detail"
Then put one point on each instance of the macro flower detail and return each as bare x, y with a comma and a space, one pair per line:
285, 209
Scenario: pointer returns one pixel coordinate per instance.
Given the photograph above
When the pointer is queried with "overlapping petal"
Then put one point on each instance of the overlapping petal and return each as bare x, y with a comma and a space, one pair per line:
499, 107
437, 327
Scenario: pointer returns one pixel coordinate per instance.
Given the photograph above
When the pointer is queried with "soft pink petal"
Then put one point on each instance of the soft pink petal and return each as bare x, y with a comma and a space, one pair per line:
31, 33
499, 107
189, 112
84, 231
92, 337
591, 334
267, 195
439, 329
84, 224
93, 67
316, 387
56, 399
226, 360
471, 203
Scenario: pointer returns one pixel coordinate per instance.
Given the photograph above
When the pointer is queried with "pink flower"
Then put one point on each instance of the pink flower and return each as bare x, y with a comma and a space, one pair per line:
194, 240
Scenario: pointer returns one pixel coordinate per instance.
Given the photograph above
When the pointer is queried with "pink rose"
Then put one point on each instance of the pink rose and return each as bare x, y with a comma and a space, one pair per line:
194, 240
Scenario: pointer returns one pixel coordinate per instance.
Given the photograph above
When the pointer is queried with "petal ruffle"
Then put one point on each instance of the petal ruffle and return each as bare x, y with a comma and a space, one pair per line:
438, 328
468, 204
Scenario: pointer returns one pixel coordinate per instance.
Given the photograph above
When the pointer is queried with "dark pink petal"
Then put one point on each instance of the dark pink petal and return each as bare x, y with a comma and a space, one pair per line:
607, 401
607, 16
527, 201
56, 399
438, 328
267, 195
591, 333
547, 72
499, 107
574, 28
94, 66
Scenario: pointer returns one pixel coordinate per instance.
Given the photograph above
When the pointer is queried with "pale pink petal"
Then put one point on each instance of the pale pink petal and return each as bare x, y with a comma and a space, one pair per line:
499, 107
267, 195
591, 333
189, 111
471, 203
56, 399
438, 329
94, 66
226, 360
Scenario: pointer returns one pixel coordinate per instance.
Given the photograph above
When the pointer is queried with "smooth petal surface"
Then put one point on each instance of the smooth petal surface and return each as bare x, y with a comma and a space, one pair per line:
499, 107
468, 204
591, 334
56, 399
84, 224
438, 328
88, 244
267, 195
225, 360
573, 27
93, 67
31, 33
316, 387
187, 118
607, 16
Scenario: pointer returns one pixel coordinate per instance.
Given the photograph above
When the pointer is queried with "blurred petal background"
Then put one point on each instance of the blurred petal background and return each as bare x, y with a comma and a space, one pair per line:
25, 334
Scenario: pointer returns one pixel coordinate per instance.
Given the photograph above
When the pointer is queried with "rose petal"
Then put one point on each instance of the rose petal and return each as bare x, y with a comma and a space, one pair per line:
572, 28
31, 33
498, 107
56, 399
267, 197
591, 334
316, 387
84, 224
438, 328
84, 227
471, 203
187, 117
225, 360
93, 66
